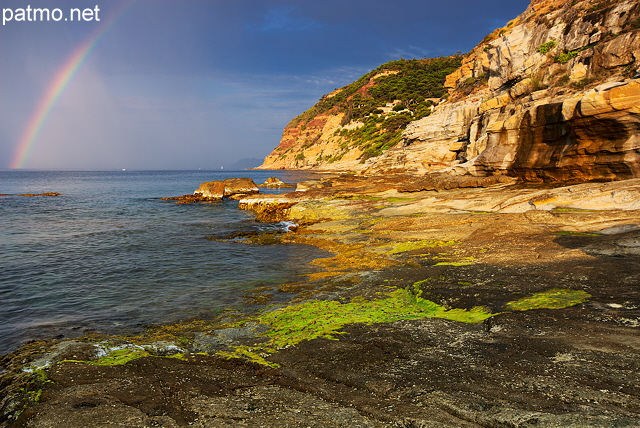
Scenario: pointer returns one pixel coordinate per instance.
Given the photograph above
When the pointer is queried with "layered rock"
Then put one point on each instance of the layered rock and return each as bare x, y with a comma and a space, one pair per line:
210, 190
591, 136
363, 119
218, 189
552, 96
237, 186
304, 141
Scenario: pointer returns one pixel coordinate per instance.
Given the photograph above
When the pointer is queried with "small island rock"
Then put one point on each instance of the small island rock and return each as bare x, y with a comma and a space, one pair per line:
234, 186
210, 190
275, 182
218, 189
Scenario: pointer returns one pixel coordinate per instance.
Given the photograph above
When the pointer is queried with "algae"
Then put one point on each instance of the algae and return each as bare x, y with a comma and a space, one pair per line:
416, 245
325, 318
453, 264
310, 320
119, 357
572, 233
392, 200
255, 354
356, 198
551, 299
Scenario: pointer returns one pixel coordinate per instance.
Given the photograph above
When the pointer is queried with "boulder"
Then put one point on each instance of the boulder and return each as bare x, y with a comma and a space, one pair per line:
234, 186
211, 190
275, 182
218, 189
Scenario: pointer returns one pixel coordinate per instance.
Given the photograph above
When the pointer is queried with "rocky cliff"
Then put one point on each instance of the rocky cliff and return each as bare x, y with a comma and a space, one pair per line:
363, 119
552, 96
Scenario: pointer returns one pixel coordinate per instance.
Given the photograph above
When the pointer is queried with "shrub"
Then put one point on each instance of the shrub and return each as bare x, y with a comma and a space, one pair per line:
472, 83
564, 58
547, 47
412, 82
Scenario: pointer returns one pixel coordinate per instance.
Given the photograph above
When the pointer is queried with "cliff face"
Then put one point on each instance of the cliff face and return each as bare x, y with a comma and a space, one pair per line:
552, 96
364, 119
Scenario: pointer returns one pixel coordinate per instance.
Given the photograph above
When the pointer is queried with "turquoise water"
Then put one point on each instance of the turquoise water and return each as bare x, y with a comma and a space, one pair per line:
109, 255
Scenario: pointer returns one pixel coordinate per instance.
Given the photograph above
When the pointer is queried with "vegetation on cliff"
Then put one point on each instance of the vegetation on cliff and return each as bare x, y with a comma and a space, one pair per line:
373, 111
411, 82
525, 103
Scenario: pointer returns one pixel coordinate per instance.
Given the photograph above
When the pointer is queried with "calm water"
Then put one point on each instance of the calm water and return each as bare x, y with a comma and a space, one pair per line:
110, 255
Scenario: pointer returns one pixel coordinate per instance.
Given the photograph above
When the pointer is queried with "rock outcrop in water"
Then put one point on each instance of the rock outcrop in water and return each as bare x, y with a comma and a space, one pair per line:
218, 189
275, 182
552, 96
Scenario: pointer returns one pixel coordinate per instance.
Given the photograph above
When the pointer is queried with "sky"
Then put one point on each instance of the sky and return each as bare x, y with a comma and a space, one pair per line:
188, 84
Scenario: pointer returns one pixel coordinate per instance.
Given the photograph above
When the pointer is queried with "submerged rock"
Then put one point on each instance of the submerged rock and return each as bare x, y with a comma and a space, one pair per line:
41, 194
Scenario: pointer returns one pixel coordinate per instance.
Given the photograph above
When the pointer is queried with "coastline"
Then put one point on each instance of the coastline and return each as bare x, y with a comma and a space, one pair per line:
438, 241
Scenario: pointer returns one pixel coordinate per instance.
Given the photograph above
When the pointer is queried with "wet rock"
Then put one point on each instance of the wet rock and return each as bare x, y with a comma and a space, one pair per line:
210, 190
202, 392
218, 189
223, 338
41, 194
275, 182
185, 199
66, 350
235, 186
621, 244
576, 366
162, 348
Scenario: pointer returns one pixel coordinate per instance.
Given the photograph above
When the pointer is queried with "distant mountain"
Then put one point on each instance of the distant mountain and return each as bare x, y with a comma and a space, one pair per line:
245, 163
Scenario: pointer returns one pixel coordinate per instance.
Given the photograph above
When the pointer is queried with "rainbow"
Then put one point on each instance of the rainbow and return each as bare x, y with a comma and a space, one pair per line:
57, 86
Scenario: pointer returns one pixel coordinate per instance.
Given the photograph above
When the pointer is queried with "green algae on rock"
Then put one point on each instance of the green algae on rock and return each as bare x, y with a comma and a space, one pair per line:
453, 264
116, 357
324, 319
573, 233
551, 299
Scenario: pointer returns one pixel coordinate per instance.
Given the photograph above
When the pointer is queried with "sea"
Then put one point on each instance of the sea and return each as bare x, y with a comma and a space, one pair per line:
109, 255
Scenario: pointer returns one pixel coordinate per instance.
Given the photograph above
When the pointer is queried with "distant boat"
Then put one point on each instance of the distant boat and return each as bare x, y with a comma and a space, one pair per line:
221, 167
124, 169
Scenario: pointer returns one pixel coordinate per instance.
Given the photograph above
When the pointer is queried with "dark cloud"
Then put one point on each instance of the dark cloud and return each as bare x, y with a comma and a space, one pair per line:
173, 83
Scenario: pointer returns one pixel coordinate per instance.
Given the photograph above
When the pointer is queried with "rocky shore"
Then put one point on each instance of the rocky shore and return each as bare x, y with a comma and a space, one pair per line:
482, 264
444, 302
